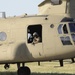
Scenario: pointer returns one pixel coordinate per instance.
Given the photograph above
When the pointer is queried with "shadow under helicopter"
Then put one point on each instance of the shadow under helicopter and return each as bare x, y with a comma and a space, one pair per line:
22, 53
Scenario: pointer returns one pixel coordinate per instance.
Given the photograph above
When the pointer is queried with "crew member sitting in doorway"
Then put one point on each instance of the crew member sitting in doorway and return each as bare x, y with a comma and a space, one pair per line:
36, 38
29, 36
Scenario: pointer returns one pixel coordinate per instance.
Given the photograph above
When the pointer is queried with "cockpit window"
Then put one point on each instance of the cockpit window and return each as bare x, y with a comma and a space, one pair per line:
34, 34
66, 40
72, 27
60, 29
72, 30
67, 19
73, 37
65, 29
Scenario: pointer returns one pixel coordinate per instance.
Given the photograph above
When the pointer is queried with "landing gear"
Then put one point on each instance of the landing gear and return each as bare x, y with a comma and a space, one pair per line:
61, 63
6, 66
72, 60
24, 70
38, 63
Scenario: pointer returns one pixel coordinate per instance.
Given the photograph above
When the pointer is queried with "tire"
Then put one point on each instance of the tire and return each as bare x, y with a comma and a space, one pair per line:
23, 71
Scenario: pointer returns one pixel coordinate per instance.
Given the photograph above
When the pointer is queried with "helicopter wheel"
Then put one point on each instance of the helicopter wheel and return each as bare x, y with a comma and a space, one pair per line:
23, 71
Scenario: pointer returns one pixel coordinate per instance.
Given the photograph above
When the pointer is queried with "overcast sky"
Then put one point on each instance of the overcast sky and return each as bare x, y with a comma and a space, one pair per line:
19, 7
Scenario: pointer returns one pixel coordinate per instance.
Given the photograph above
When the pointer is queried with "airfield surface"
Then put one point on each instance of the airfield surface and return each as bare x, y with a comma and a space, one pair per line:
45, 68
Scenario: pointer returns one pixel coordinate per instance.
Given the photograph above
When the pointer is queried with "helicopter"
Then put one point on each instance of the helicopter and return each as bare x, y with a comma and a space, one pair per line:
49, 35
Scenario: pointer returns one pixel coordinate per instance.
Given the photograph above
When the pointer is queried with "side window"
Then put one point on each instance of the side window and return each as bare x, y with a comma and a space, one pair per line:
65, 31
3, 36
34, 34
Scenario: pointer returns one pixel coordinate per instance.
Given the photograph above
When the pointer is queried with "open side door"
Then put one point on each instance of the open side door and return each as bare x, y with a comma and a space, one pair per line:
34, 40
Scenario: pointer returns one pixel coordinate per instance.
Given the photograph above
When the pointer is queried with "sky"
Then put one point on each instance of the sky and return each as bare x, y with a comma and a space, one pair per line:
19, 7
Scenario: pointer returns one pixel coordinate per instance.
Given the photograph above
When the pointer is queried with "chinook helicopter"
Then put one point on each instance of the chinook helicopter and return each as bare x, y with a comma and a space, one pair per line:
49, 35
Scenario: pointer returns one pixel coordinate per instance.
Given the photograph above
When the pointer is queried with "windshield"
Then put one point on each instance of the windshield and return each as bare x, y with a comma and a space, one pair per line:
72, 27
72, 30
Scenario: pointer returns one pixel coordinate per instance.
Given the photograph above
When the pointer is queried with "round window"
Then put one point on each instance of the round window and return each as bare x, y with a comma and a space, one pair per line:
3, 36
